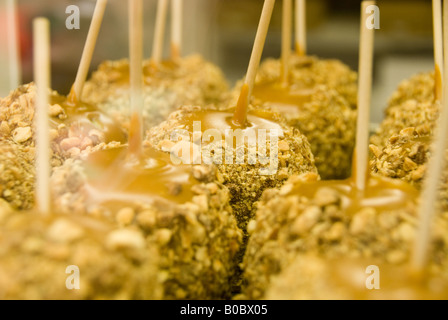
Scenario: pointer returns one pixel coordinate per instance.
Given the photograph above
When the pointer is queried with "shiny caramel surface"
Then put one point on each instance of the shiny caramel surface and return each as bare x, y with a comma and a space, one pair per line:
86, 117
382, 194
287, 99
115, 179
438, 83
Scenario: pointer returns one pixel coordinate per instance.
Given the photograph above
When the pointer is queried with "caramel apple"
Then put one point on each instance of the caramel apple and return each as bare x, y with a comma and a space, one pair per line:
422, 116
180, 208
311, 71
312, 277
313, 106
416, 102
405, 157
189, 80
246, 180
419, 87
75, 126
330, 219
69, 257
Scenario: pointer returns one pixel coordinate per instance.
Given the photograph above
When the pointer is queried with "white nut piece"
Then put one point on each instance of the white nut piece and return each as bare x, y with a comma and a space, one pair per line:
21, 134
307, 220
64, 231
125, 239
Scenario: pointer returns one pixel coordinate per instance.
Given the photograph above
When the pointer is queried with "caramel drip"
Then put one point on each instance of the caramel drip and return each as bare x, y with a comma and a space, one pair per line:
285, 79
355, 170
240, 116
396, 282
152, 178
299, 50
135, 136
438, 84
72, 98
153, 72
288, 100
85, 117
382, 194
175, 52
223, 120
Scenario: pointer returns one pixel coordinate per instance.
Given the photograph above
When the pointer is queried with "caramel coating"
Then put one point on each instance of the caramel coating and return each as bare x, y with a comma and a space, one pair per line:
187, 218
73, 128
36, 252
320, 101
314, 278
309, 71
321, 222
244, 180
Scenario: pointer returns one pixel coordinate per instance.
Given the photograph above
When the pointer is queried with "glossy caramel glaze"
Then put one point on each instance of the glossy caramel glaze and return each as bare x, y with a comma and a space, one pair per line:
287, 99
313, 277
242, 106
382, 194
83, 117
115, 180
438, 83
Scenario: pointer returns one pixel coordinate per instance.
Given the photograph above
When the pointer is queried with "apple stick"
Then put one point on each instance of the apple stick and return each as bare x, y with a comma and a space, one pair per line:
176, 29
286, 39
240, 116
159, 32
89, 48
366, 48
438, 48
41, 36
301, 45
136, 74
15, 69
429, 196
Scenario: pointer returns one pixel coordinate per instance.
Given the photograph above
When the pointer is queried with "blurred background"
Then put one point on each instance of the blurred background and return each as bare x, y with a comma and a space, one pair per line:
223, 32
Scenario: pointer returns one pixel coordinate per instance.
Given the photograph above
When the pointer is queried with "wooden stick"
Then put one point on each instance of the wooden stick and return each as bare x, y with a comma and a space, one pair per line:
301, 43
430, 193
366, 48
159, 32
240, 116
89, 48
176, 29
136, 74
286, 39
15, 70
438, 48
41, 36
